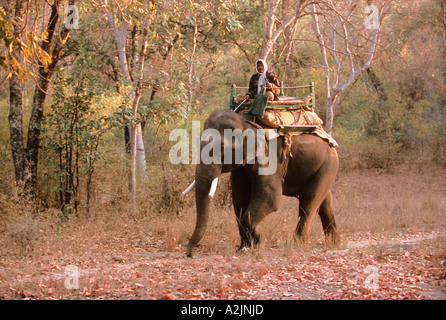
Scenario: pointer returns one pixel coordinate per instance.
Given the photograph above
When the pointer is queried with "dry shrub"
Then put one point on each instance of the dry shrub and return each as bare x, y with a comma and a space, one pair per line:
439, 148
368, 154
166, 187
378, 201
171, 200
21, 232
223, 196
22, 225
377, 154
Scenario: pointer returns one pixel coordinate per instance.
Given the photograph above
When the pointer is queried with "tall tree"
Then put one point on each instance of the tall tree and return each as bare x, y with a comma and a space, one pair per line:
48, 52
15, 14
203, 23
133, 75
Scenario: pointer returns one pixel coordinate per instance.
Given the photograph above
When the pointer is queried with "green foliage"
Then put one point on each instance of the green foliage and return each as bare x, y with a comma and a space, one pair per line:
72, 131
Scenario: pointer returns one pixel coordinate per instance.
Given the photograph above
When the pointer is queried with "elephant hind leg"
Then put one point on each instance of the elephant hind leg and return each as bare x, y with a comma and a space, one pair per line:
306, 214
328, 221
309, 203
308, 208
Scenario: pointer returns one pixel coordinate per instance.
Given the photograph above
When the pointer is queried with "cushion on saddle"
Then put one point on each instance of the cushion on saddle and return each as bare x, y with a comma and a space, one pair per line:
274, 118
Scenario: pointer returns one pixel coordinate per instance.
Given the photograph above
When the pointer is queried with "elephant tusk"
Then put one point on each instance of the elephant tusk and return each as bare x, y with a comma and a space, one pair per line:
192, 185
213, 188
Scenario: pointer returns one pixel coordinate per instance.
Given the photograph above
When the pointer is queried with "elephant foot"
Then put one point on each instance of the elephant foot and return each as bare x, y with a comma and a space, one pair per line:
190, 248
243, 250
300, 239
333, 239
249, 244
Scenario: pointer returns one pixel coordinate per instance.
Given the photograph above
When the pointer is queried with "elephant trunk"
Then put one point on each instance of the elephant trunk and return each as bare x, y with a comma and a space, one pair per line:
206, 180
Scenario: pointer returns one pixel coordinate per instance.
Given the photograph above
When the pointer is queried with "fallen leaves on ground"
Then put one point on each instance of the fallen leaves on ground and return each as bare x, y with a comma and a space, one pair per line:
148, 272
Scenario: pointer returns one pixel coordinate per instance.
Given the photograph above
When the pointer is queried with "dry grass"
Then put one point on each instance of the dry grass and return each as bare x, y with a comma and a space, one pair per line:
409, 198
369, 204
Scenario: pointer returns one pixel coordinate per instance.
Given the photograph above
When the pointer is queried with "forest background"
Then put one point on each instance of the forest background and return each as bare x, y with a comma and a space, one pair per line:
161, 65
90, 91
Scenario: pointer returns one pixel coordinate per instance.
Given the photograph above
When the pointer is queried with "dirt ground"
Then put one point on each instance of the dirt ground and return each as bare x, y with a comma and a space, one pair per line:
397, 257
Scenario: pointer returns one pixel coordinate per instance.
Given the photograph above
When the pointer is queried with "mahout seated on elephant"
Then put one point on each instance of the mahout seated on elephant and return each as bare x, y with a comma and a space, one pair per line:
263, 81
305, 169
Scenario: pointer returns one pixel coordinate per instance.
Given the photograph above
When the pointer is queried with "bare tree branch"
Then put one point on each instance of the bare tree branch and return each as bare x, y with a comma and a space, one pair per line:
351, 36
271, 37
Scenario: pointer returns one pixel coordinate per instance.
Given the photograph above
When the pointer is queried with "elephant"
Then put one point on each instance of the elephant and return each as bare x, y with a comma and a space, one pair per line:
306, 170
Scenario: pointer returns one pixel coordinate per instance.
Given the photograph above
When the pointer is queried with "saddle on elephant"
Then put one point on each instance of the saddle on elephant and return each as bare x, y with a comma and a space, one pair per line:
286, 120
293, 116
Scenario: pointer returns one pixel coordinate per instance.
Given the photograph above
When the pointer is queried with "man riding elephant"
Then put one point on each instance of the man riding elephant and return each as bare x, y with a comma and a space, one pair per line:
264, 78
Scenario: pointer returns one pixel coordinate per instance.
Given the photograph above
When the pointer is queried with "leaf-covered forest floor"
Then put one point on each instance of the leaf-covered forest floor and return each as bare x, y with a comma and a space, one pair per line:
408, 268
401, 257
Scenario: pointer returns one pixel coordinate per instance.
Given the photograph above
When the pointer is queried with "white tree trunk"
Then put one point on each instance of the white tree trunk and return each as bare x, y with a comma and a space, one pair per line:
192, 65
140, 153
138, 158
132, 172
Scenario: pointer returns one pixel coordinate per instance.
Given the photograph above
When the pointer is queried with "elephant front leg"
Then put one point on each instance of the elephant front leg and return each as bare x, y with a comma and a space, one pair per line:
253, 202
241, 194
247, 228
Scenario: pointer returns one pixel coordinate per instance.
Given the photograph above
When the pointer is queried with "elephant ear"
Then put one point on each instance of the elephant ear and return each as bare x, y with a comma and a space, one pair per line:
255, 146
232, 142
239, 146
